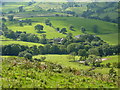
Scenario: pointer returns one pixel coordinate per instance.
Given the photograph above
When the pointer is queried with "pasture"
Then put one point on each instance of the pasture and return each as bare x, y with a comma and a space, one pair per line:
63, 60
20, 42
107, 31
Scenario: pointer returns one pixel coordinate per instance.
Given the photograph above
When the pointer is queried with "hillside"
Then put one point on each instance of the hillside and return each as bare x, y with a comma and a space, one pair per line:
107, 11
21, 73
65, 44
89, 10
106, 30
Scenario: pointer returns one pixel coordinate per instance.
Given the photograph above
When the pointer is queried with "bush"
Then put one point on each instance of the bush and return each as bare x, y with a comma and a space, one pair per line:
28, 55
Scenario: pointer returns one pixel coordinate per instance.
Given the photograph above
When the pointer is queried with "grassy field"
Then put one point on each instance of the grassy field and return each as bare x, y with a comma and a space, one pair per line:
107, 31
63, 60
49, 31
12, 6
110, 38
77, 10
21, 43
111, 59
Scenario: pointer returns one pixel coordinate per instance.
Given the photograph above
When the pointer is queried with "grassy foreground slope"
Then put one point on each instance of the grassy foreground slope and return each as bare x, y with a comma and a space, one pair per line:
21, 73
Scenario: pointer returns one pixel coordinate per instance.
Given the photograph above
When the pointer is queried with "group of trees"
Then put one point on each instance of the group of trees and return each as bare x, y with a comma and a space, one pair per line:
16, 49
76, 48
13, 49
26, 21
63, 30
47, 22
21, 9
10, 17
70, 4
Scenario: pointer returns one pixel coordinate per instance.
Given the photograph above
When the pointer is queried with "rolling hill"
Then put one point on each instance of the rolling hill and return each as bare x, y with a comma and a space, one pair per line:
106, 29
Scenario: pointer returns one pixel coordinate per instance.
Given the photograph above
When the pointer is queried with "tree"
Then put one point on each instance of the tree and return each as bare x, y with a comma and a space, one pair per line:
23, 37
4, 27
47, 48
93, 51
30, 23
95, 29
71, 27
47, 22
12, 49
55, 49
108, 65
42, 58
10, 17
21, 9
11, 34
57, 29
83, 29
69, 36
82, 53
38, 27
21, 24
41, 50
63, 30
112, 73
72, 56
3, 19
73, 47
43, 39
93, 59
28, 55
21, 54
32, 38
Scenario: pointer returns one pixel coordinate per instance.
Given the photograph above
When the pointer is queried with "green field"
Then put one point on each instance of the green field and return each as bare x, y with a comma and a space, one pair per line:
49, 31
7, 41
12, 6
107, 31
21, 43
63, 60
77, 10
110, 38
111, 59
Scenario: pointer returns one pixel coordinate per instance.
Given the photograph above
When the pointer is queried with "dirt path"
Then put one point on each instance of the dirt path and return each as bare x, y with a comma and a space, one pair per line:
103, 59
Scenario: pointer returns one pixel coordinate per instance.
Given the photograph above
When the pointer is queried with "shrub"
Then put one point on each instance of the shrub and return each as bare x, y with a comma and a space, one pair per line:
28, 55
